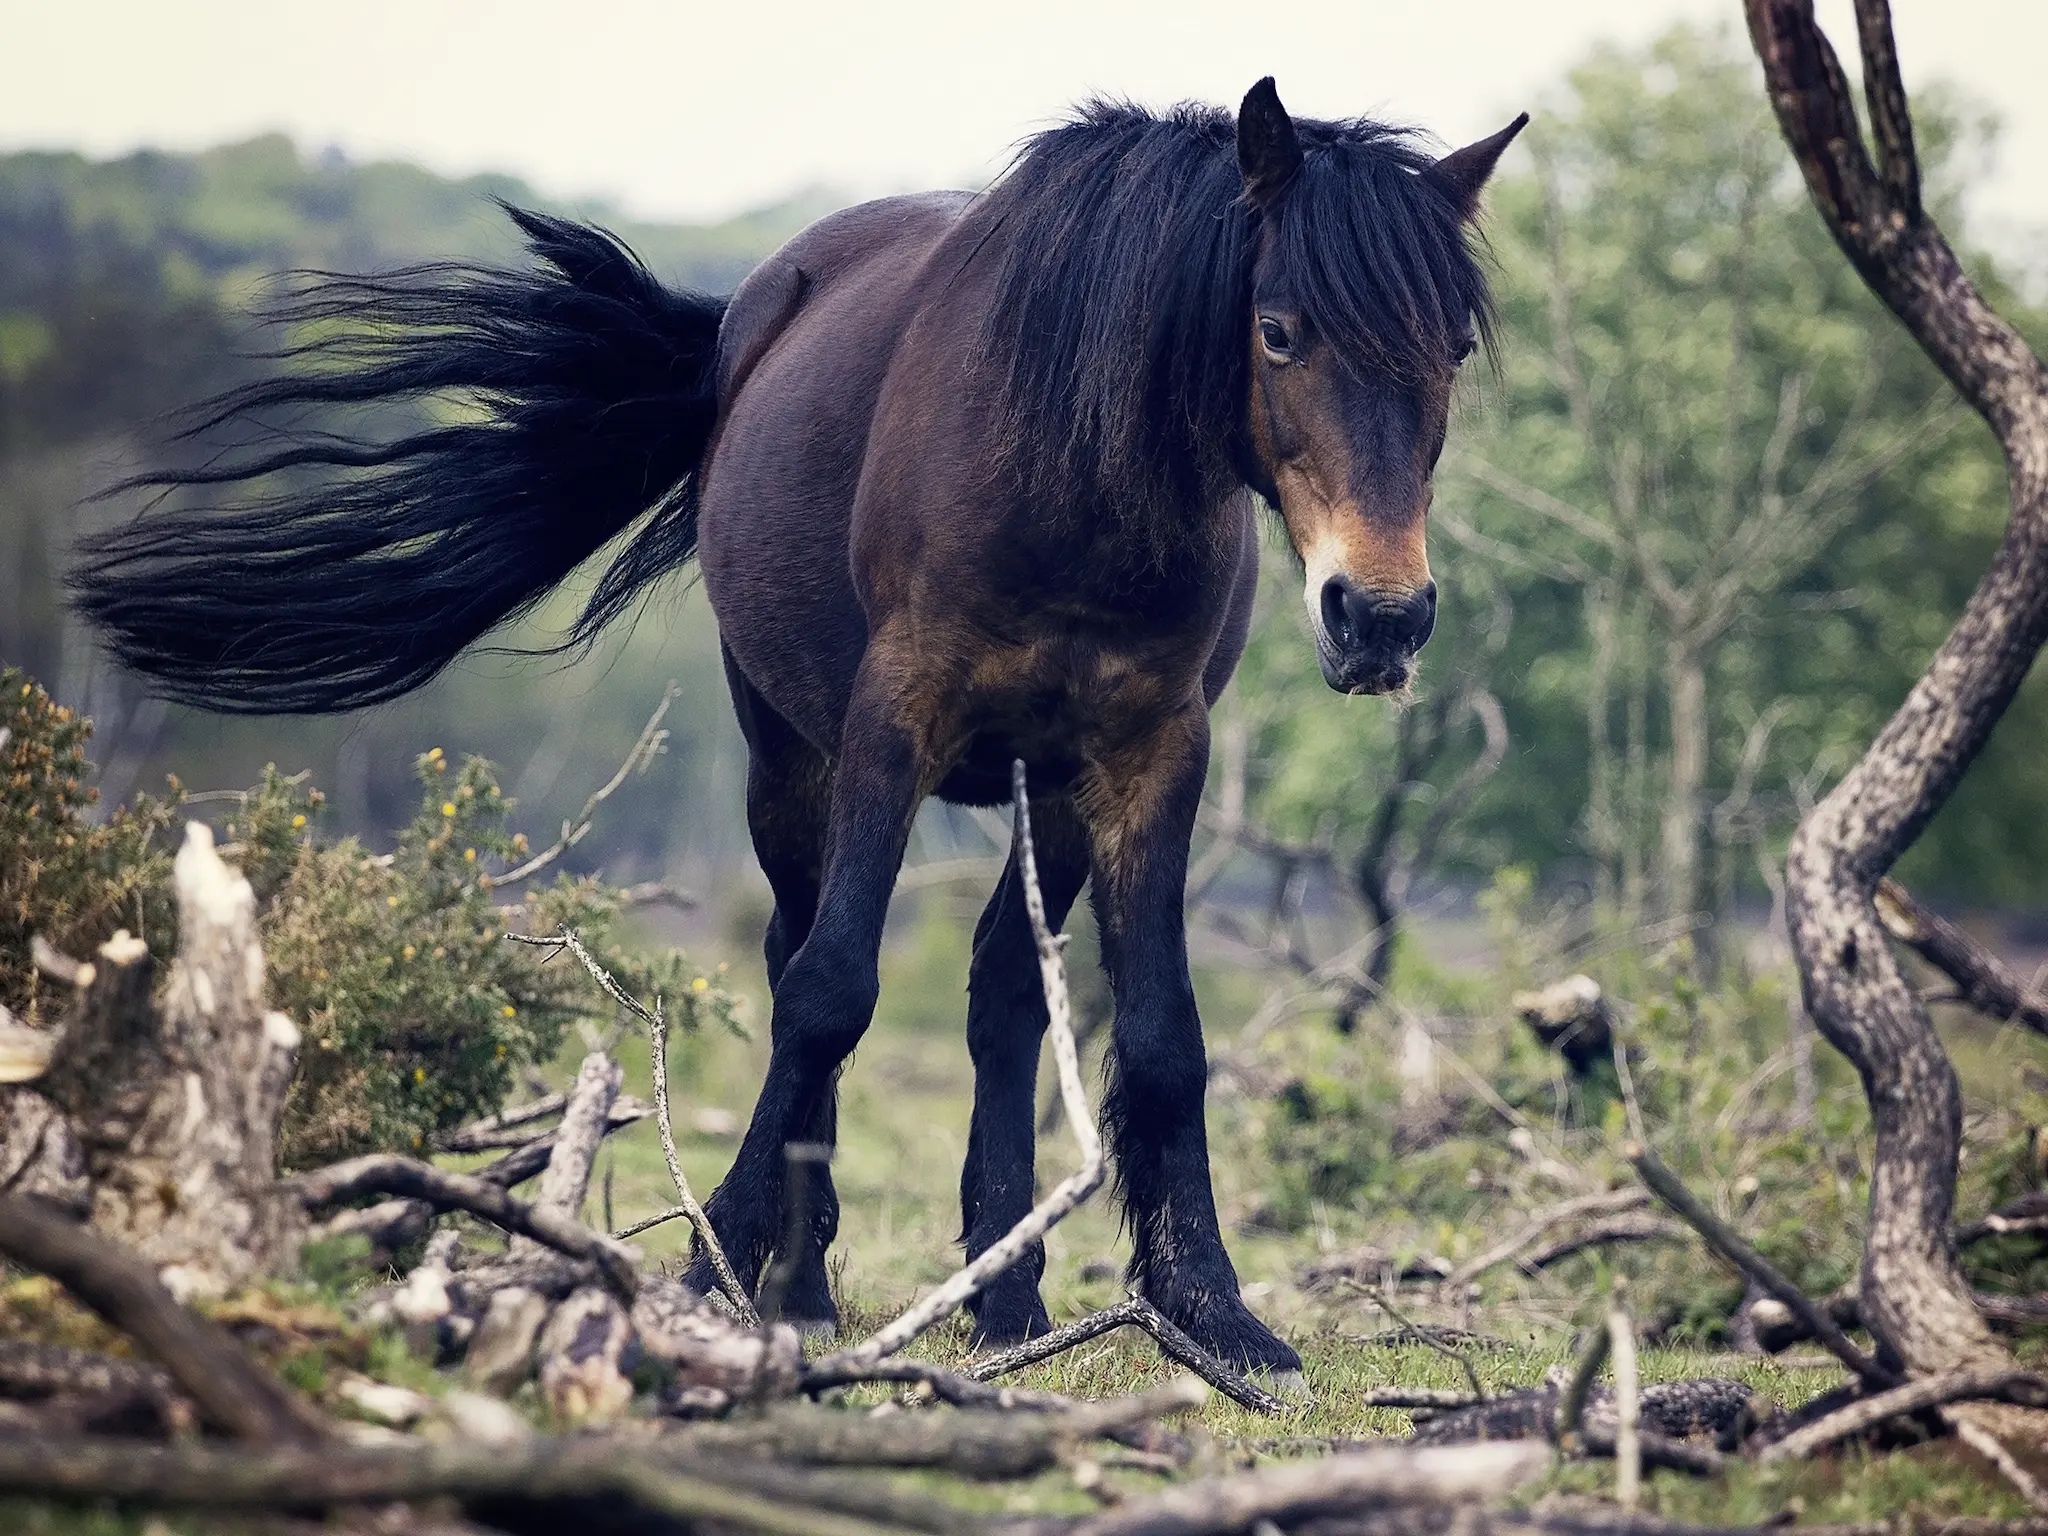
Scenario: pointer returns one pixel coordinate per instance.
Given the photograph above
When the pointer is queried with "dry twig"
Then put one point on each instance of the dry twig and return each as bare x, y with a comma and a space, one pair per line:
383, 1173
686, 1201
1133, 1311
653, 740
2012, 1386
1722, 1239
1069, 1193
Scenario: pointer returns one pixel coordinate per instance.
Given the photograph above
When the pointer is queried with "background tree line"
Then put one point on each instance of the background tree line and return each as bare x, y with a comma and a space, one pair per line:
1696, 537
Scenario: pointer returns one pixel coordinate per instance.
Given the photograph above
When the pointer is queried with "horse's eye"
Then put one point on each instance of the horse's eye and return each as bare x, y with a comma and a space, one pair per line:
1273, 336
1465, 348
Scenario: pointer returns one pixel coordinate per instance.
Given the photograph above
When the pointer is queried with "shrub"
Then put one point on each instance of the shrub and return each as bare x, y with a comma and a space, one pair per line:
61, 875
415, 1011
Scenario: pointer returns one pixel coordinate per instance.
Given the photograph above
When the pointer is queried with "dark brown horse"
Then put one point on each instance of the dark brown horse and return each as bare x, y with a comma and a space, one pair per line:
971, 478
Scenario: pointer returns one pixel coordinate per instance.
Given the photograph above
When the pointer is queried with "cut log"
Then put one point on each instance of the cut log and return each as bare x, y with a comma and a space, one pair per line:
501, 1351
584, 1359
715, 1361
40, 1153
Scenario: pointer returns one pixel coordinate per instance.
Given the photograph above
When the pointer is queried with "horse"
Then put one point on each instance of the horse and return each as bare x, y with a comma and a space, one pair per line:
969, 478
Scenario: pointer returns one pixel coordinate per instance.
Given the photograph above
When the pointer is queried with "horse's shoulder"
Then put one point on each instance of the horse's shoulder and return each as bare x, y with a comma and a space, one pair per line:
817, 258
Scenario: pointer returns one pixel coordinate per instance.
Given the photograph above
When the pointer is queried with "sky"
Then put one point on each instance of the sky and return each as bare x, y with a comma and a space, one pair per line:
689, 110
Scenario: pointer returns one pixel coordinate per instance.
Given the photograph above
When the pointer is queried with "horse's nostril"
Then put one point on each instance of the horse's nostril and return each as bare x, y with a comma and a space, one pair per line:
1337, 619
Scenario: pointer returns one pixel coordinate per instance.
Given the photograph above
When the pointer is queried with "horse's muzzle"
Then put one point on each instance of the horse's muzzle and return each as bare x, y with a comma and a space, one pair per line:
1368, 640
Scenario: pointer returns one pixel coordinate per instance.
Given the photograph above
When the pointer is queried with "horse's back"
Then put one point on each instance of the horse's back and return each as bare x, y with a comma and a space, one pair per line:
803, 354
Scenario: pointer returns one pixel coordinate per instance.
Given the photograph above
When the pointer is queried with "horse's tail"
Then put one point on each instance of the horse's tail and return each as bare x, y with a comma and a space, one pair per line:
346, 568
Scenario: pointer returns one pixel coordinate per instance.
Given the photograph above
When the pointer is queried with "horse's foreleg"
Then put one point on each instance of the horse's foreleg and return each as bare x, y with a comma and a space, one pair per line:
1140, 804
825, 998
1005, 1023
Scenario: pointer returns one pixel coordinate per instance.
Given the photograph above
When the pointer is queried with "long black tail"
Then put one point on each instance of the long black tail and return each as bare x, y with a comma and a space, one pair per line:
341, 569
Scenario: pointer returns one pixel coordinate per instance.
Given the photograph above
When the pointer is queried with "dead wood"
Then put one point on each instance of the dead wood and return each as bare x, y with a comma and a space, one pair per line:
1914, 1296
1635, 1227
29, 1370
230, 1390
686, 1199
39, 1152
565, 1182
1369, 1479
494, 1134
583, 1359
1983, 981
480, 1135
2009, 1386
970, 1441
588, 1475
1435, 1399
386, 1174
650, 744
500, 1353
177, 1108
2029, 1213
1667, 1186
1133, 1311
712, 1358
1609, 1203
952, 1294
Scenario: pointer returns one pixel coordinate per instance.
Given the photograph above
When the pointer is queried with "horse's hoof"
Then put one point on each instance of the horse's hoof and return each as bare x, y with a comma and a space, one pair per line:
1291, 1385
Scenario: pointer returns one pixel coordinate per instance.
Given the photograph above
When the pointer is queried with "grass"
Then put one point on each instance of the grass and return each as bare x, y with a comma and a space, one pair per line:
903, 1124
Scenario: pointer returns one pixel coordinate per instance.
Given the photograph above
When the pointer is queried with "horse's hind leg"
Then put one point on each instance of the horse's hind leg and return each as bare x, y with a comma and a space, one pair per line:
788, 795
1005, 1023
825, 996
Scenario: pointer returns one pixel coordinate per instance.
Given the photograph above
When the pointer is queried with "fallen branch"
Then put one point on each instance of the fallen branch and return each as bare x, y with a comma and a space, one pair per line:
1983, 981
1436, 1399
942, 1302
973, 1442
2008, 1386
1392, 1475
686, 1202
499, 1134
480, 1476
565, 1182
230, 1390
391, 1224
1668, 1188
653, 741
1636, 1227
1610, 1203
2029, 1213
1429, 1340
1133, 1311
383, 1173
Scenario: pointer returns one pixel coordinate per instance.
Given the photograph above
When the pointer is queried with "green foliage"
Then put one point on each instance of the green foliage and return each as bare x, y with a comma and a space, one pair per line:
414, 1009
63, 876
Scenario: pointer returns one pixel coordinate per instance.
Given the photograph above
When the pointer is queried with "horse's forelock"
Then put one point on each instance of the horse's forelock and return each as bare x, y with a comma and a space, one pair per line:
1119, 324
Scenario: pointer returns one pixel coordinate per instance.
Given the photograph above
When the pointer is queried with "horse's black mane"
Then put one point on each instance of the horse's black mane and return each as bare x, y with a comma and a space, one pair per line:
1122, 306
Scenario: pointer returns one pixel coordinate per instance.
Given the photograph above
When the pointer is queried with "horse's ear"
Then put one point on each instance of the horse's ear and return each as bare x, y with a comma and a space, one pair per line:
1267, 151
1463, 172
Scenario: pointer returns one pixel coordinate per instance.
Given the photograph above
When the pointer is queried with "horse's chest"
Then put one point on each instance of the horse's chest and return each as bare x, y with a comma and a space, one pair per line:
1058, 706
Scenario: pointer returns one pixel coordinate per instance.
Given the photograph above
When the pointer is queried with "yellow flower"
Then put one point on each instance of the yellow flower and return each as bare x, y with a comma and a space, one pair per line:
469, 855
298, 822
390, 901
700, 985
407, 953
509, 1011
419, 1074
447, 807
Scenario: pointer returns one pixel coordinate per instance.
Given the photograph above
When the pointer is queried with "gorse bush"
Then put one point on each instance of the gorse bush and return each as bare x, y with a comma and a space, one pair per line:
64, 877
416, 1012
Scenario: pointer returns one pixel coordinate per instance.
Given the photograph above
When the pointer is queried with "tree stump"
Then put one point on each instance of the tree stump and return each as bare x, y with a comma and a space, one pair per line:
176, 1107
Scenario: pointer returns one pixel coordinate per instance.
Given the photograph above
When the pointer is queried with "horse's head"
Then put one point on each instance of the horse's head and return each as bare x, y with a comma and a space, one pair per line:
1365, 299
